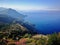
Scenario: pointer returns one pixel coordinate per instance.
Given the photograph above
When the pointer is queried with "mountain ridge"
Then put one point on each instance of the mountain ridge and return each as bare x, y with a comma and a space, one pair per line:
7, 18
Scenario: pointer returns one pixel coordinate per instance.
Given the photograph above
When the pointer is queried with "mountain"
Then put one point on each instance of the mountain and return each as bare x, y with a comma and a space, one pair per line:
17, 27
2, 8
12, 13
5, 18
9, 17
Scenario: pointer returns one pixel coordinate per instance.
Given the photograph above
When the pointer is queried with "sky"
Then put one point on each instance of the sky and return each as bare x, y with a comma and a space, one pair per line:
28, 5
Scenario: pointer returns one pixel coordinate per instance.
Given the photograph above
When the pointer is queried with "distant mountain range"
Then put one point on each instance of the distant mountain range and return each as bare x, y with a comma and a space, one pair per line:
10, 16
11, 13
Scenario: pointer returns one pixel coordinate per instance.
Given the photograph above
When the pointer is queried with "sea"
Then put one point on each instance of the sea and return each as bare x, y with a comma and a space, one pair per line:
46, 22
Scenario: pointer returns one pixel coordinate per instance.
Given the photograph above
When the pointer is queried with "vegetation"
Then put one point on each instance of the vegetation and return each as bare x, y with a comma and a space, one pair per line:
16, 34
54, 39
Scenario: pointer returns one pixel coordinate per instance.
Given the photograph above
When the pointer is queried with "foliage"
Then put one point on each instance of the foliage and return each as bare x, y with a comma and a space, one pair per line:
16, 32
54, 39
27, 35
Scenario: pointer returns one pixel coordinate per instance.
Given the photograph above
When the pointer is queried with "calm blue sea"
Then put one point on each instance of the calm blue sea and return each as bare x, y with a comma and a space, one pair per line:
45, 21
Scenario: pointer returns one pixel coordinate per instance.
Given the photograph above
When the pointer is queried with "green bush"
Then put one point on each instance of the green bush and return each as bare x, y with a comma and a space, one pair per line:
54, 40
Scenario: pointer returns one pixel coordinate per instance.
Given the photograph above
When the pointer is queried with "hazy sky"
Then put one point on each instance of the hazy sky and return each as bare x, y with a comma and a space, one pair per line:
31, 4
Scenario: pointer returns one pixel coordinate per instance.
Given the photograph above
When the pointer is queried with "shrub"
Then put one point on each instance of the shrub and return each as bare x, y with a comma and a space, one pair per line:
54, 40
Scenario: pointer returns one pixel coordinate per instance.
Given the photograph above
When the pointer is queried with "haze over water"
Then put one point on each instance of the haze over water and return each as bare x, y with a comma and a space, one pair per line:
45, 21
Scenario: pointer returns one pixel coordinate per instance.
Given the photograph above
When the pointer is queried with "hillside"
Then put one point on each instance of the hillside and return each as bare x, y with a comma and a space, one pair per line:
10, 16
14, 30
12, 13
